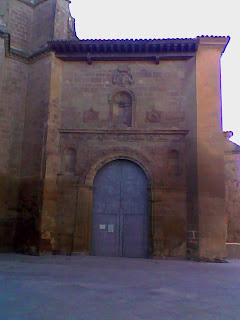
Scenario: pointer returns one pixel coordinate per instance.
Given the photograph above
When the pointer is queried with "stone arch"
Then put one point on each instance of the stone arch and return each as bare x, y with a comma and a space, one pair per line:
121, 201
131, 155
85, 192
121, 117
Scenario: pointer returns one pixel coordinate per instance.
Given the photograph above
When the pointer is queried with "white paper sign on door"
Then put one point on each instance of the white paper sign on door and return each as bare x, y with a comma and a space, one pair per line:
111, 228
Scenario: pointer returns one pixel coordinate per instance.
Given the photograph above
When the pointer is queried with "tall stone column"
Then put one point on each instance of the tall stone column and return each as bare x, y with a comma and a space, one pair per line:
210, 150
51, 158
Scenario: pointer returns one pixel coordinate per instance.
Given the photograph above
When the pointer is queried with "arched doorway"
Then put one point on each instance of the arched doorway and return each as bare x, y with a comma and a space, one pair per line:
120, 211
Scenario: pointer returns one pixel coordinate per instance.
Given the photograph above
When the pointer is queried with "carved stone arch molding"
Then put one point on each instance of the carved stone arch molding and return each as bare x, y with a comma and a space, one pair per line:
116, 154
122, 99
82, 233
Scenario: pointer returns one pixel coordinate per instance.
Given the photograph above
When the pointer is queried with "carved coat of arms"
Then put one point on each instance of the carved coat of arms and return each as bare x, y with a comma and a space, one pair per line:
122, 77
153, 115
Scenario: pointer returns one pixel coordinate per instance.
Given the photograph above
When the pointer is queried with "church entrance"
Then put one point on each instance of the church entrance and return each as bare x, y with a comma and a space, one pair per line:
120, 211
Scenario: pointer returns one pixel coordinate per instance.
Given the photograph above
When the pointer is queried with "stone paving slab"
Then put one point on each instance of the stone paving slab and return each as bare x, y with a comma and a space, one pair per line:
97, 288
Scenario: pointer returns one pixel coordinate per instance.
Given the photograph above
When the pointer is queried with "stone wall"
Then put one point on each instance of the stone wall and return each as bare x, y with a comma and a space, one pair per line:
62, 121
12, 109
32, 24
210, 150
2, 57
43, 24
36, 116
19, 24
3, 11
232, 185
24, 102
161, 100
191, 160
50, 21
158, 90
32, 164
61, 21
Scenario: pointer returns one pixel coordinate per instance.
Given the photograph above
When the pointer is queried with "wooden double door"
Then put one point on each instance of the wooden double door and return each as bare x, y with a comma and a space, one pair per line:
120, 211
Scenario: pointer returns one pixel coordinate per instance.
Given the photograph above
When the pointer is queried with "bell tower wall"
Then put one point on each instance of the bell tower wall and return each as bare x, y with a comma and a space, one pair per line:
25, 28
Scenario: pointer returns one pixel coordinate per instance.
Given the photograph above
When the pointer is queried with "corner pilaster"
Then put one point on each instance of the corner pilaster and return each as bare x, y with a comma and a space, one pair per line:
51, 159
210, 150
82, 236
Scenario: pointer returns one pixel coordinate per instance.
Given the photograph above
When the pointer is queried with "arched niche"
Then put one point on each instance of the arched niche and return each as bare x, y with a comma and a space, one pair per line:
174, 162
70, 160
122, 105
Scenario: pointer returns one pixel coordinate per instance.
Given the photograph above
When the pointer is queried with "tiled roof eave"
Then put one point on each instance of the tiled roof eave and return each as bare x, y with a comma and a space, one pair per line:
89, 58
123, 49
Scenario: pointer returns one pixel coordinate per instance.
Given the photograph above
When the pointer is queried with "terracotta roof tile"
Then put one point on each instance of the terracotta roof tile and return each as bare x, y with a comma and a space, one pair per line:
126, 49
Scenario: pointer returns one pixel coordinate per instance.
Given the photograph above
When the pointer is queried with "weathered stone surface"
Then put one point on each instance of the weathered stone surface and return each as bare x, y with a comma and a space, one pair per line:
232, 184
210, 149
62, 121
24, 100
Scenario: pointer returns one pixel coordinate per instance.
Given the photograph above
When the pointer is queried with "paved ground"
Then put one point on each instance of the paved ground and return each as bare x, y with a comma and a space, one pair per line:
96, 288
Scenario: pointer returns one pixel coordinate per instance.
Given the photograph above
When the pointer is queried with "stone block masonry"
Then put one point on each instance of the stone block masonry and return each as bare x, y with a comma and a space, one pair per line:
69, 107
232, 184
25, 28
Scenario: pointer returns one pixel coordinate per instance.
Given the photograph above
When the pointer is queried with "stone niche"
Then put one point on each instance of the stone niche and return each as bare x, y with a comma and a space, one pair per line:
121, 109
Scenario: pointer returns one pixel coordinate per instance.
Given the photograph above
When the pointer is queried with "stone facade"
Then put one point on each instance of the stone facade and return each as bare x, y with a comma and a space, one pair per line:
232, 176
70, 106
232, 184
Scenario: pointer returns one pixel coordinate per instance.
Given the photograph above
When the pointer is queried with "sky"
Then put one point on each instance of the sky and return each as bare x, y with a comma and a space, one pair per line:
134, 19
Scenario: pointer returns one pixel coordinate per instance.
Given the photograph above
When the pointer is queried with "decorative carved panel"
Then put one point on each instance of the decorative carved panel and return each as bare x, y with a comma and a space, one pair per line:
122, 77
90, 115
153, 115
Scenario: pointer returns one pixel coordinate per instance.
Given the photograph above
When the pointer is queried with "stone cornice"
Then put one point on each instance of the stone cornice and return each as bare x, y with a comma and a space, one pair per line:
21, 55
124, 50
214, 42
34, 3
232, 147
232, 152
28, 59
227, 134
116, 50
124, 132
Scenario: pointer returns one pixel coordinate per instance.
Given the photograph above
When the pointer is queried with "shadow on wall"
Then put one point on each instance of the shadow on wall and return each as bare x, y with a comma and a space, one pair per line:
29, 217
